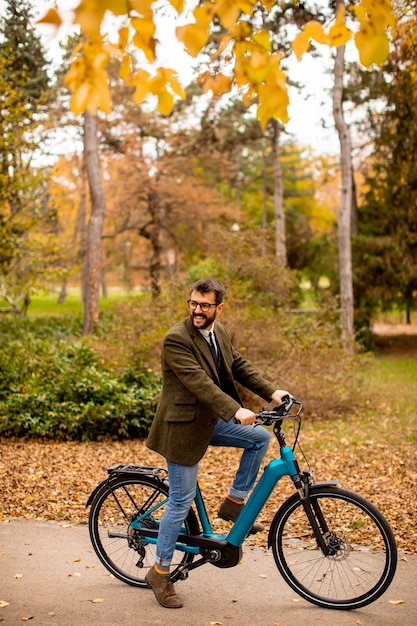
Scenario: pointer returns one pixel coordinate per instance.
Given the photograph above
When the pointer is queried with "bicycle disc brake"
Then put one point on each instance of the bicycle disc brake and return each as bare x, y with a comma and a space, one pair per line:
339, 546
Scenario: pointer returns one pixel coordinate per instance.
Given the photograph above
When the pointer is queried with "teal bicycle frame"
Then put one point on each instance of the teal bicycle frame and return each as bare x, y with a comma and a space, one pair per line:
273, 472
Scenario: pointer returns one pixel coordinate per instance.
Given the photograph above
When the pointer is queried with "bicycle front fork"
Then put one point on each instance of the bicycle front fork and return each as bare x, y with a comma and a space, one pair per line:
313, 510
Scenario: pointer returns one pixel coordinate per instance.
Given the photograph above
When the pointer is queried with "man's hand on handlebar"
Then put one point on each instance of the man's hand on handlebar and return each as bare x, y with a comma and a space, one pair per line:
244, 416
279, 394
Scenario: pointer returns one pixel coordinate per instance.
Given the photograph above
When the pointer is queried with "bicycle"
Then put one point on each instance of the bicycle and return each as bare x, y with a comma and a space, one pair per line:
332, 546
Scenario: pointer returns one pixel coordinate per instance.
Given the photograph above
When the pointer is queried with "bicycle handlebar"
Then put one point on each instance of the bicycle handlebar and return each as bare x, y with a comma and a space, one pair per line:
281, 411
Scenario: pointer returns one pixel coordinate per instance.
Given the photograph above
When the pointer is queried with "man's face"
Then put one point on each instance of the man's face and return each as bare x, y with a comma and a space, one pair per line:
204, 319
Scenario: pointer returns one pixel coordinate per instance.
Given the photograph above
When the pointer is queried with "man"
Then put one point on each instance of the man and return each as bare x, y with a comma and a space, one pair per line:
198, 403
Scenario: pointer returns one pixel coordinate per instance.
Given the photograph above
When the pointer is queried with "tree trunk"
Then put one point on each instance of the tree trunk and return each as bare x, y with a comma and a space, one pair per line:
280, 241
264, 198
79, 230
91, 275
344, 221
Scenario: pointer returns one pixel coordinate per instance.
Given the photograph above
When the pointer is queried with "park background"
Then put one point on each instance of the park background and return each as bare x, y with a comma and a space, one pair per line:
191, 195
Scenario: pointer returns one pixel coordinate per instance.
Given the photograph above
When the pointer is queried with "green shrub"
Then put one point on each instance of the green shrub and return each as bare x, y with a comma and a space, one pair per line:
58, 388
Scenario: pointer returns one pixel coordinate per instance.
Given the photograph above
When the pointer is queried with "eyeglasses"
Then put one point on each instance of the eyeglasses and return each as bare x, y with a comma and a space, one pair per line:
204, 306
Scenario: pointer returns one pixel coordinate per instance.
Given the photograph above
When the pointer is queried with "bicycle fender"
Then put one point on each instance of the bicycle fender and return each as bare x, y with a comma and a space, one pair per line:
325, 483
95, 491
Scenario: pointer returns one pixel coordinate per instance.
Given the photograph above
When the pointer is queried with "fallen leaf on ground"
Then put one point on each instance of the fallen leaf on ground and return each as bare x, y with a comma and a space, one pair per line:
396, 601
97, 600
3, 604
62, 496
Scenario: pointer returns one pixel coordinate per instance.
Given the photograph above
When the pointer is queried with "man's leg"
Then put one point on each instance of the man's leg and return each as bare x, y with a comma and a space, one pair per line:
182, 487
255, 441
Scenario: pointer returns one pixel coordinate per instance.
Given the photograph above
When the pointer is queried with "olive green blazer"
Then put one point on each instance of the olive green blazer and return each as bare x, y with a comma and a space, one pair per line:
191, 398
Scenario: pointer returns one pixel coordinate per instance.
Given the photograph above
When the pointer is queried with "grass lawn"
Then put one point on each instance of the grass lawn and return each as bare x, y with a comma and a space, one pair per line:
46, 304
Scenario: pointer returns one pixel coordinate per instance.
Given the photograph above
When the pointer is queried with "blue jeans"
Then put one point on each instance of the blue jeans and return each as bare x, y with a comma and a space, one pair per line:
183, 480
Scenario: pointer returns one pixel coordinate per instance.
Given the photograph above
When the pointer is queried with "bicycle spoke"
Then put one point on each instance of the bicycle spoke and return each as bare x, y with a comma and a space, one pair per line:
361, 555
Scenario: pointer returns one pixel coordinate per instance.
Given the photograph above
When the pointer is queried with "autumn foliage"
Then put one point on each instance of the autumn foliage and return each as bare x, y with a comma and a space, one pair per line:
244, 57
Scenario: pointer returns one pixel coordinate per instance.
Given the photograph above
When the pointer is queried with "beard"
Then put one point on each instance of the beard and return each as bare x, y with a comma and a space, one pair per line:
201, 320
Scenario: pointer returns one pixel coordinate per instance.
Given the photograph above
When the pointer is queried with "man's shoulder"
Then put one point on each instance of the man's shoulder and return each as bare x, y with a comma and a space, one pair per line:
182, 327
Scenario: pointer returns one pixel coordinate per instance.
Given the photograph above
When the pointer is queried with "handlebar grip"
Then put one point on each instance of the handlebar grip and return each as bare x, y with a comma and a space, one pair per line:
236, 420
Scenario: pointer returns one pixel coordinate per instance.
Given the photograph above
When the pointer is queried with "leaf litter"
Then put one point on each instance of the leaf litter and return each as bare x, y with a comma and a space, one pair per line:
52, 480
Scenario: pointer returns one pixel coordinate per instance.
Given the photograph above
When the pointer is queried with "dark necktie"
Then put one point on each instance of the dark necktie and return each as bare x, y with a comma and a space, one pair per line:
213, 350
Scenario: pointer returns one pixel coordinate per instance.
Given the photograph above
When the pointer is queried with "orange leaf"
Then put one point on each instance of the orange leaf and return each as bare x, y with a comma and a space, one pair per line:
51, 17
193, 36
165, 103
301, 44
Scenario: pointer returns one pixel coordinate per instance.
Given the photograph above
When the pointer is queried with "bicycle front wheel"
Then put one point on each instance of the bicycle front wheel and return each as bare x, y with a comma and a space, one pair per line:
119, 506
362, 554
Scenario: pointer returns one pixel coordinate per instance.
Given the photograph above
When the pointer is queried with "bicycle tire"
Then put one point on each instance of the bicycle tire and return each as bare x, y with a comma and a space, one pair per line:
363, 560
115, 506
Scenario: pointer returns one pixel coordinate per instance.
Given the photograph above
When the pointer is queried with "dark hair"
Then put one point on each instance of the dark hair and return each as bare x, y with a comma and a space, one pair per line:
209, 285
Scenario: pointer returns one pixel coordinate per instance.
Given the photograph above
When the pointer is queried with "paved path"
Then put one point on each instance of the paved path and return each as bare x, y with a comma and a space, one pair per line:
50, 576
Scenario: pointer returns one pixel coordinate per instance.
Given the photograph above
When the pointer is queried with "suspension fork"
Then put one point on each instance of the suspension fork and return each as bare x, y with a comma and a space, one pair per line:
314, 513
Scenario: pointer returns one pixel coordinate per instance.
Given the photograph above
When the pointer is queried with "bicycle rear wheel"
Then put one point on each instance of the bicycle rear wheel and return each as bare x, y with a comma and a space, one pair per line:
362, 555
118, 545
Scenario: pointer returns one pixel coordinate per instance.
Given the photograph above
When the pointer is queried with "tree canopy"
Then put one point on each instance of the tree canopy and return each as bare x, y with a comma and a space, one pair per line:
244, 57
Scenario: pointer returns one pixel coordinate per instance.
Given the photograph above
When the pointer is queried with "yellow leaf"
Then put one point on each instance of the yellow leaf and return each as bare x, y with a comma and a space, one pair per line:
3, 604
193, 36
171, 79
258, 67
51, 17
372, 48
143, 7
273, 98
157, 83
165, 103
204, 14
241, 31
315, 31
217, 85
380, 13
301, 44
144, 26
228, 13
141, 92
262, 39
97, 600
125, 68
147, 46
178, 5
139, 77
397, 601
268, 4
89, 15
118, 7
339, 34
79, 99
123, 38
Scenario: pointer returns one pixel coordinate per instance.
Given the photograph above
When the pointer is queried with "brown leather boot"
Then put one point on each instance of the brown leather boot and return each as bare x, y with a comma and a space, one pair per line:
230, 510
163, 589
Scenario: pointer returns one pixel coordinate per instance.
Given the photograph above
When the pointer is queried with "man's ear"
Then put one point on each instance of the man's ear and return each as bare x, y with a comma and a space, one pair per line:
220, 308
